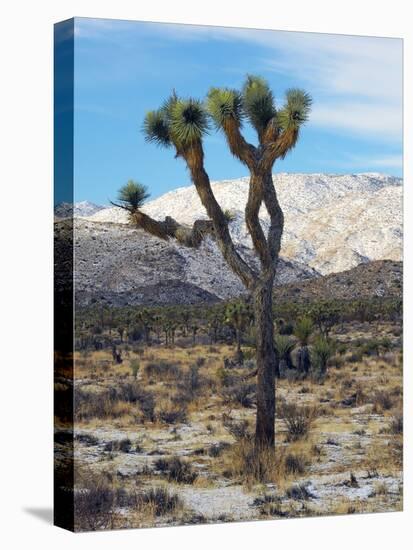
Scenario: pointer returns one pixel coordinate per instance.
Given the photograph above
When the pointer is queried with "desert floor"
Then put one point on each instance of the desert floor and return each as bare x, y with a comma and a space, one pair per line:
170, 442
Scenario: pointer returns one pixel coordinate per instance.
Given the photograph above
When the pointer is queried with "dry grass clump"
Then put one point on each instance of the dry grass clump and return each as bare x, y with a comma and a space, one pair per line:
295, 463
169, 412
396, 424
158, 502
239, 393
175, 469
299, 492
94, 503
161, 370
244, 462
382, 401
298, 419
97, 500
120, 445
114, 402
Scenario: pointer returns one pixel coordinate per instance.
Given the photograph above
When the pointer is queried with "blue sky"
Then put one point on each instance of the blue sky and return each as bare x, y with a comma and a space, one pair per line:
123, 69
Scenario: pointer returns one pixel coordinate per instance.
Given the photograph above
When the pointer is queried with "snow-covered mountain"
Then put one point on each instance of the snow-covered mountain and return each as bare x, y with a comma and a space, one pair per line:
332, 222
81, 209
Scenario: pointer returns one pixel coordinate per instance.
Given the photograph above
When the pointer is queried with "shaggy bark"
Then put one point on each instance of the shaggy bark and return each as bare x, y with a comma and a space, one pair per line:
266, 362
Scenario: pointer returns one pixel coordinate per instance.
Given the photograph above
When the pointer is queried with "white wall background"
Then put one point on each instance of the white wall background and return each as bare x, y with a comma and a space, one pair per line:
26, 271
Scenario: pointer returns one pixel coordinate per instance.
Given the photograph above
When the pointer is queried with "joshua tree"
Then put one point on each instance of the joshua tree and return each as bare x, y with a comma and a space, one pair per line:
181, 125
321, 352
303, 330
284, 346
146, 319
238, 316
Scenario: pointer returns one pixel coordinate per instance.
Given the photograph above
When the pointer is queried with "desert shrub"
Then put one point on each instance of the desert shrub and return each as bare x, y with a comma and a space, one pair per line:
295, 463
200, 361
297, 418
162, 371
237, 428
97, 405
175, 469
243, 461
93, 505
134, 366
171, 413
224, 377
159, 501
87, 439
396, 425
285, 328
376, 346
193, 383
382, 401
299, 492
355, 357
217, 449
134, 393
122, 445
241, 393
341, 348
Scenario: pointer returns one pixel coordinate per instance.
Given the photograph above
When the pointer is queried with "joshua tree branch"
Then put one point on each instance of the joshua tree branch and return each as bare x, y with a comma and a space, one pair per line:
271, 132
169, 228
278, 148
194, 158
252, 209
239, 147
276, 216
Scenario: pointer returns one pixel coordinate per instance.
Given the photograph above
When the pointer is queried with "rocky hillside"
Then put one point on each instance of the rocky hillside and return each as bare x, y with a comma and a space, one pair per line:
332, 223
382, 278
117, 264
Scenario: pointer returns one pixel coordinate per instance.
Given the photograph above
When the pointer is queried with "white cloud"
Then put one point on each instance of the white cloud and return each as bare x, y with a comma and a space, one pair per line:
356, 81
383, 161
378, 119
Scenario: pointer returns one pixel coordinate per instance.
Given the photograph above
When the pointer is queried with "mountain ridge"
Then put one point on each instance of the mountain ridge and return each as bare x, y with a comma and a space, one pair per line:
333, 223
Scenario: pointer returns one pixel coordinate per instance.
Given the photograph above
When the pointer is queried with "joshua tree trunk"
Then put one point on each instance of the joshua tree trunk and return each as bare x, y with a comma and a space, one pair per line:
266, 362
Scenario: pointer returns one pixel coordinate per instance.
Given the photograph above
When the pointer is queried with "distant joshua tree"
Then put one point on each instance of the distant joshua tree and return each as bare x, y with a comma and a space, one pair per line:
238, 316
303, 329
181, 125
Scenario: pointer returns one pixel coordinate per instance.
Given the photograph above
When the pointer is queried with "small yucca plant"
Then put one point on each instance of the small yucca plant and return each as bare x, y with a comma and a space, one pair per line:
230, 215
321, 352
284, 345
132, 196
303, 330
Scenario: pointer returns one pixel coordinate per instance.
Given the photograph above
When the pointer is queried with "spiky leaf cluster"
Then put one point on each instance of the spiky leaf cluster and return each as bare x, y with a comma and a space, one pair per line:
303, 329
188, 121
132, 196
156, 128
296, 109
180, 122
224, 104
284, 345
258, 102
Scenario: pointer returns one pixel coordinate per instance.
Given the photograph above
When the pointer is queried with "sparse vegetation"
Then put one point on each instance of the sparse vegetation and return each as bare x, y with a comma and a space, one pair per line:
297, 418
195, 413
